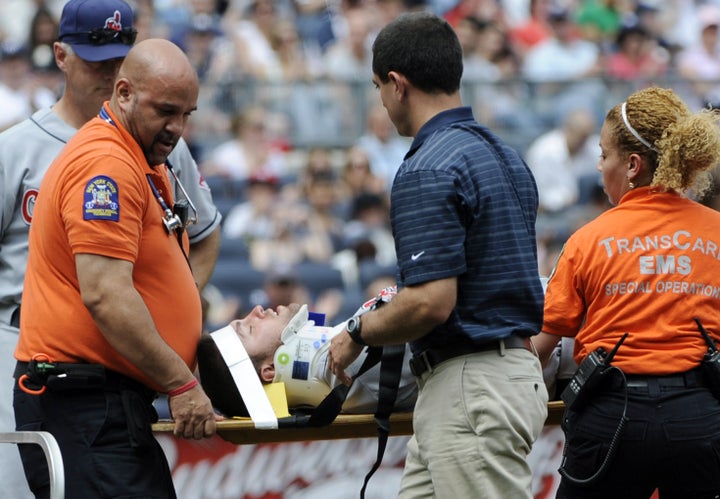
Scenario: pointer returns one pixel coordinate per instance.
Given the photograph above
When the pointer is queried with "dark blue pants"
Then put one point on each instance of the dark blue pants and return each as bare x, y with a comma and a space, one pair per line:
671, 442
105, 439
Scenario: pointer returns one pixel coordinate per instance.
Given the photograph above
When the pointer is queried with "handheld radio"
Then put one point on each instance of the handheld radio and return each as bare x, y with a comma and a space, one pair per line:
710, 364
589, 374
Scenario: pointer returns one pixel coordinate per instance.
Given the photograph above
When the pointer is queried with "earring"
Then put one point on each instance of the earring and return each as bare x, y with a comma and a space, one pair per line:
631, 185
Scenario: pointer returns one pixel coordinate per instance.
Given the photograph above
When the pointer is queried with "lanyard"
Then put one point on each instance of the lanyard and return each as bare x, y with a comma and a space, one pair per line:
175, 219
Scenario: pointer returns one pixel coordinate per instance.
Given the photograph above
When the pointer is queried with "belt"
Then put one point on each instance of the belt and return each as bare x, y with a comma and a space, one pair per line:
111, 381
689, 379
428, 359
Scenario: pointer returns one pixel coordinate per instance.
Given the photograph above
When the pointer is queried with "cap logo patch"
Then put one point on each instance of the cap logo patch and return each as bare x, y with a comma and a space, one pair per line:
114, 22
101, 199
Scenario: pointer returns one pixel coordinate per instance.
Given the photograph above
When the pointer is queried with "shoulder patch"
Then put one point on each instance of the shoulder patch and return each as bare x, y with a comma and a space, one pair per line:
100, 200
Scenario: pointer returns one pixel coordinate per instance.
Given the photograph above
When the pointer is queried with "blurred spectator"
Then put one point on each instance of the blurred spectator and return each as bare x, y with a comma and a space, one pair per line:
665, 19
317, 160
173, 18
358, 178
204, 42
368, 232
21, 93
285, 246
637, 56
486, 10
481, 41
252, 35
385, 11
492, 74
43, 33
561, 66
16, 17
381, 142
564, 55
349, 58
254, 218
564, 162
700, 63
313, 20
313, 108
600, 20
320, 227
368, 241
534, 30
673, 22
147, 23
293, 64
282, 286
308, 230
250, 150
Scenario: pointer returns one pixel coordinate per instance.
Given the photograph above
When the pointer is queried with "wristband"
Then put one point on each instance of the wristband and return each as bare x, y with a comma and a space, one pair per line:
184, 388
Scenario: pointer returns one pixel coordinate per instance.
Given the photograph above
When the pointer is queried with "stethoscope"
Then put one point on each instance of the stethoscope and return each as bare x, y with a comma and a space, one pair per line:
179, 217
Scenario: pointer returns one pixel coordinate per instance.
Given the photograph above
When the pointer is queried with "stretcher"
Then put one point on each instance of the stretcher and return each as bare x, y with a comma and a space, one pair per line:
242, 431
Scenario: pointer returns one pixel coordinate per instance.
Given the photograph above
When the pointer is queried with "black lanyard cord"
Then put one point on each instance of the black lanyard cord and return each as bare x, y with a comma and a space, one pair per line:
171, 220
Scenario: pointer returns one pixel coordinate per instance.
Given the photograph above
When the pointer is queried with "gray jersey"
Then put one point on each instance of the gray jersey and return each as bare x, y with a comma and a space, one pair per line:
26, 151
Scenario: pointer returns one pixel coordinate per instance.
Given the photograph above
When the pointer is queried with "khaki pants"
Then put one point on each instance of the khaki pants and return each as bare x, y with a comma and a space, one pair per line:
475, 421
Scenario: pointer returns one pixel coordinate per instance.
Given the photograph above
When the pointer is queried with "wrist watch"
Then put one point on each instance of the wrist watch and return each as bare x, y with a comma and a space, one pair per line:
354, 327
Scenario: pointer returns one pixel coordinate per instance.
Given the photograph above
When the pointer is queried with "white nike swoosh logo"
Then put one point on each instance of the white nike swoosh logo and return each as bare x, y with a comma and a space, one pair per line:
417, 255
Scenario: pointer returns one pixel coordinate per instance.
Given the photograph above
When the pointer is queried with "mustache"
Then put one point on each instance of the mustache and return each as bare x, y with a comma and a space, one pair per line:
169, 138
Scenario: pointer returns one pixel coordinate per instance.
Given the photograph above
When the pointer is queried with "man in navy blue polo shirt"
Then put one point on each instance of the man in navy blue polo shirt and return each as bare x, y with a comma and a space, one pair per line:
463, 211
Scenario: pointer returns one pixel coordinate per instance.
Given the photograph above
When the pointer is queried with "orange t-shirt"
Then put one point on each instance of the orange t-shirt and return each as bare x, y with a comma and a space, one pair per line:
96, 199
646, 267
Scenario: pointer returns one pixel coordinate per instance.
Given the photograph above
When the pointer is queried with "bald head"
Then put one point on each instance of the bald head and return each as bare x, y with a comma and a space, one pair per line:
156, 60
154, 94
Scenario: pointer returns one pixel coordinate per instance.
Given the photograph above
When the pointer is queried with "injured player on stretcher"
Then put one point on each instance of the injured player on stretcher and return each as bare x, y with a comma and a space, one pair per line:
287, 346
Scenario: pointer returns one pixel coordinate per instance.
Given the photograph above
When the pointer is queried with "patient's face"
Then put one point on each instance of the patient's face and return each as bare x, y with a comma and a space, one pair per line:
260, 330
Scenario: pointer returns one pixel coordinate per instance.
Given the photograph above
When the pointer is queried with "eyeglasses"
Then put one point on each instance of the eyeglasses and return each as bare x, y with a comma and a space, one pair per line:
104, 36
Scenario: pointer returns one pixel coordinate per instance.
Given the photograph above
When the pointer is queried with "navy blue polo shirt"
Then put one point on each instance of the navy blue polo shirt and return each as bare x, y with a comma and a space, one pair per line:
464, 204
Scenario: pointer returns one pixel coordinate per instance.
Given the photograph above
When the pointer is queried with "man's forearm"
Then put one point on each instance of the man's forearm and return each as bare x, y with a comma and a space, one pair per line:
411, 314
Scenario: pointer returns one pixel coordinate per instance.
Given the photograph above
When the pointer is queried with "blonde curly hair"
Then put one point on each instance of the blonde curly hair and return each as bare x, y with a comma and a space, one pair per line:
685, 145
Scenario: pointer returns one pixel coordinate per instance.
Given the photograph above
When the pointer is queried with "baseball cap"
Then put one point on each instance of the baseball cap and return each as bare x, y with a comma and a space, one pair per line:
263, 178
97, 30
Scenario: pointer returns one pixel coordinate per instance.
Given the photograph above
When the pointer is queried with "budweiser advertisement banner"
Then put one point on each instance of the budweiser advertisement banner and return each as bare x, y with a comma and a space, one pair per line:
331, 469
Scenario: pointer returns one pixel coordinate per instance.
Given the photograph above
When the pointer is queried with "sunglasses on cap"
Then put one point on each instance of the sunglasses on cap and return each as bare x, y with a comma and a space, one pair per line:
104, 36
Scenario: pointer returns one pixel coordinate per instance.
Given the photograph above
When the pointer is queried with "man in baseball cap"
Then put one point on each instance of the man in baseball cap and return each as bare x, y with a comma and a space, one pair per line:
97, 30
94, 38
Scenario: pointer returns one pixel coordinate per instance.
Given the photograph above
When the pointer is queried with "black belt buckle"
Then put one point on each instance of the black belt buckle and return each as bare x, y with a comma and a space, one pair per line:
420, 363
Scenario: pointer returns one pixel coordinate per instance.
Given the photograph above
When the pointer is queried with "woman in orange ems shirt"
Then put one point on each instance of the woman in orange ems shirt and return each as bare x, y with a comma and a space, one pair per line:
645, 419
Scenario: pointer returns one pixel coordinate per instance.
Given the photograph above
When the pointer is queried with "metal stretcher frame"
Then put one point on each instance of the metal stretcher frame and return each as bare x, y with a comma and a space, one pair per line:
52, 453
242, 431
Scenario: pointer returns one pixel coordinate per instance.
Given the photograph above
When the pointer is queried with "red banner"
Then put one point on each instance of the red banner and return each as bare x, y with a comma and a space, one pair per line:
332, 469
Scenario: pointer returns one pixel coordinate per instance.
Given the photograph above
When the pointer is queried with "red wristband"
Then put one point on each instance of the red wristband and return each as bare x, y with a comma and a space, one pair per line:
184, 388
